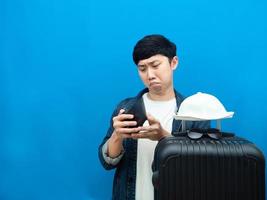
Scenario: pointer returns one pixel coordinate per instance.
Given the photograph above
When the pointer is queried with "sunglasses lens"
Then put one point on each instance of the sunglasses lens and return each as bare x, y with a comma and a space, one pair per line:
216, 136
194, 135
213, 130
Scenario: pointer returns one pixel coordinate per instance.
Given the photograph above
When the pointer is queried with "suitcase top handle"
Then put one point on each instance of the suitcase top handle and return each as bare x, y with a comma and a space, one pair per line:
197, 133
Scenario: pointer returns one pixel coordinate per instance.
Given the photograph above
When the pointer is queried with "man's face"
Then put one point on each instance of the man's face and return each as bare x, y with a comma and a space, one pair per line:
156, 73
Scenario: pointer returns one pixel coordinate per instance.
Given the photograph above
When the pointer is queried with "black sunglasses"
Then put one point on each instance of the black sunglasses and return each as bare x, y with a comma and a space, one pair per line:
213, 133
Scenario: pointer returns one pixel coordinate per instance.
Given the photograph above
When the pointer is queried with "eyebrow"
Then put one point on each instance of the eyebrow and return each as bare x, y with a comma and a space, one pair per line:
149, 63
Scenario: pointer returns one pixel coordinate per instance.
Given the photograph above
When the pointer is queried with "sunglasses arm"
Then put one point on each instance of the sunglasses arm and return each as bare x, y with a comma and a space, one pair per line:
218, 124
183, 125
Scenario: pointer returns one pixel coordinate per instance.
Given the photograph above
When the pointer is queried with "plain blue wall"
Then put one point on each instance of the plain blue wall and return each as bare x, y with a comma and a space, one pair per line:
65, 64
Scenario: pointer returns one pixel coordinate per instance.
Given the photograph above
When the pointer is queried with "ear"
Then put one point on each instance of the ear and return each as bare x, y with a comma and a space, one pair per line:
174, 62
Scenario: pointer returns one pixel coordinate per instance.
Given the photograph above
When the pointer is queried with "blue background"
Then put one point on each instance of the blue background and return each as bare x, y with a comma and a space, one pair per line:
64, 65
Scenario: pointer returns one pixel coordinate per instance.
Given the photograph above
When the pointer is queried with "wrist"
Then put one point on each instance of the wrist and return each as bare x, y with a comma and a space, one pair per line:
164, 134
116, 138
115, 146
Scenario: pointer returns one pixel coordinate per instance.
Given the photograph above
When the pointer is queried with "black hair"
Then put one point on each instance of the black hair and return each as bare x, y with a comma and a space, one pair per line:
151, 45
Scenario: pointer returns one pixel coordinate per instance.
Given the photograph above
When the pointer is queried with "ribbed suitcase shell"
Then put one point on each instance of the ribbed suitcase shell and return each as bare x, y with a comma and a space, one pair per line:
205, 169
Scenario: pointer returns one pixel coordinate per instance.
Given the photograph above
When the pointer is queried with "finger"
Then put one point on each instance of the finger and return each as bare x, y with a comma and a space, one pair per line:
138, 135
123, 117
126, 135
151, 119
121, 124
128, 130
144, 134
121, 111
147, 128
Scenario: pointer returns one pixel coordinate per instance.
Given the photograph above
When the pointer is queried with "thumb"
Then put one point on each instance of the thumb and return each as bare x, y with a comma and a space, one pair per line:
151, 119
121, 111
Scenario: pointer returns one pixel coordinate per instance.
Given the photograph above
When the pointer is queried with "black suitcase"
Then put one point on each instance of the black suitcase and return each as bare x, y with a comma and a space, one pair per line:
230, 168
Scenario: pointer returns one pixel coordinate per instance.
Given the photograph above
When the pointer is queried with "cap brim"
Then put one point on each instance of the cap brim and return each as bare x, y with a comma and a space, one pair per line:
189, 118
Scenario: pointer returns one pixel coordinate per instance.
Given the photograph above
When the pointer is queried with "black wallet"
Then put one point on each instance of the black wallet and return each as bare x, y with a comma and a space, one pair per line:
138, 110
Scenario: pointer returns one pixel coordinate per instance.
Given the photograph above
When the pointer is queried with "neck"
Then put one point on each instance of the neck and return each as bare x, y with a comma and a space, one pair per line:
162, 96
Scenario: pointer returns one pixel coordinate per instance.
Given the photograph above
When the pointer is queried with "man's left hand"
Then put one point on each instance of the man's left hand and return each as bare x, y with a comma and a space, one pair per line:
153, 132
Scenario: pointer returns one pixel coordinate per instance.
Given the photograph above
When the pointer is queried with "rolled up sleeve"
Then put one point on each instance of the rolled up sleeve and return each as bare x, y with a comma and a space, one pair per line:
109, 160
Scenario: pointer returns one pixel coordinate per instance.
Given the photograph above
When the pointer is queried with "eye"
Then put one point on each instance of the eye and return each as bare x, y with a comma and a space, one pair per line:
142, 69
156, 65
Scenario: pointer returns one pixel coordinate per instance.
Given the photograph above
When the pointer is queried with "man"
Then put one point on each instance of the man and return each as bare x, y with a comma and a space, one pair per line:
130, 149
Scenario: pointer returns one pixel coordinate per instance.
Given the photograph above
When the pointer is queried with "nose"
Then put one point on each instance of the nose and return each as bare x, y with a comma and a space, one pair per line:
150, 74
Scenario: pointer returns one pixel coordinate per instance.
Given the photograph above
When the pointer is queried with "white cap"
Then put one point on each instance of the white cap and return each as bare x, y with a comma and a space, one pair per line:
202, 106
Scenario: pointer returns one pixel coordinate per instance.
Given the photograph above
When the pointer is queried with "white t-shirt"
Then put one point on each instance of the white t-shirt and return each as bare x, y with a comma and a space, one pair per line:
164, 112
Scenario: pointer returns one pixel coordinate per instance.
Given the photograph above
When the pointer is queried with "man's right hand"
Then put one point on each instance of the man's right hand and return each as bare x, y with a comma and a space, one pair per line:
122, 129
123, 126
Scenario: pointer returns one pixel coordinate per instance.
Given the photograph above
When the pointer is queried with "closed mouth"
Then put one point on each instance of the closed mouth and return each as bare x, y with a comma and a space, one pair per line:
153, 83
